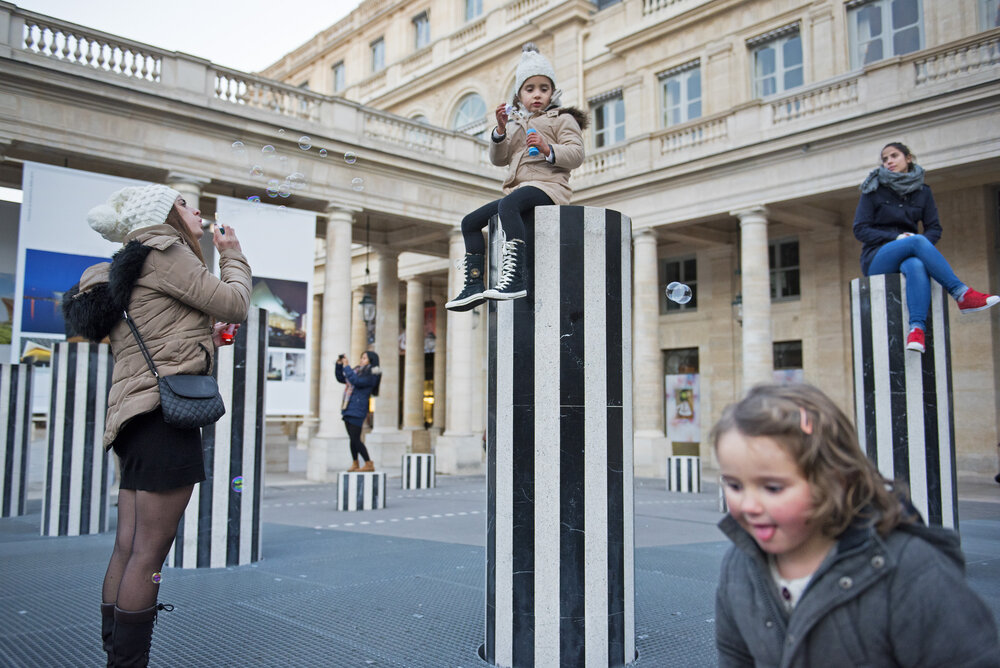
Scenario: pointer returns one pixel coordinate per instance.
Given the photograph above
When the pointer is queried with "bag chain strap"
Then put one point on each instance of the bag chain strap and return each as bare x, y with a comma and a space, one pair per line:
142, 345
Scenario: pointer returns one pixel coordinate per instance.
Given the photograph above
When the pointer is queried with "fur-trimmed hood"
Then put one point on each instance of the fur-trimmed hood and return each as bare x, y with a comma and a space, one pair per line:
95, 304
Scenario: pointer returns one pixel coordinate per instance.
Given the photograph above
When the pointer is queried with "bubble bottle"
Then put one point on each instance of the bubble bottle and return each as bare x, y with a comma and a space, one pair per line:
533, 150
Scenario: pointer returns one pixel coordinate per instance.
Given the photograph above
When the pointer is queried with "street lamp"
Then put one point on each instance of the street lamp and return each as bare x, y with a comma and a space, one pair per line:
367, 305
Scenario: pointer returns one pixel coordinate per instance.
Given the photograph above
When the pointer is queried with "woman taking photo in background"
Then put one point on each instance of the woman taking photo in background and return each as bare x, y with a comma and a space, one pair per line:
362, 383
160, 277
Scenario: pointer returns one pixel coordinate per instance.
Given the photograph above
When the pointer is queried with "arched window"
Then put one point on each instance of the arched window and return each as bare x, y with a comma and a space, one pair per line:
470, 116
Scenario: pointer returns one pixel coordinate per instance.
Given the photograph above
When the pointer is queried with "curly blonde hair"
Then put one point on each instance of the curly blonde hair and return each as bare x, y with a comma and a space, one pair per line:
846, 486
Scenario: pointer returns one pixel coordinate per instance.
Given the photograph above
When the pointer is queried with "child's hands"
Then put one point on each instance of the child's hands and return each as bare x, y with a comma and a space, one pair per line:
535, 139
502, 119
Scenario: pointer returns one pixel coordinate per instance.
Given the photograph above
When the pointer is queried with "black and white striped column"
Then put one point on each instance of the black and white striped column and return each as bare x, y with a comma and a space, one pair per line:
77, 468
15, 425
559, 531
360, 490
418, 471
684, 473
221, 525
902, 398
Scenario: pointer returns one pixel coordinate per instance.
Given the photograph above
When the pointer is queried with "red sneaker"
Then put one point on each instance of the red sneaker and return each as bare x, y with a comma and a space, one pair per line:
973, 301
915, 341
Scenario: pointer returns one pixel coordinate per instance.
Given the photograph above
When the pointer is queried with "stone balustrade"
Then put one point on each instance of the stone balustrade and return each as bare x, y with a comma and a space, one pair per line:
815, 100
965, 59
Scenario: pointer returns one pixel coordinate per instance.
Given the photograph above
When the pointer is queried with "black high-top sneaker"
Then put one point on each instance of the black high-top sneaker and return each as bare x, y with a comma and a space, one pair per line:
472, 294
511, 284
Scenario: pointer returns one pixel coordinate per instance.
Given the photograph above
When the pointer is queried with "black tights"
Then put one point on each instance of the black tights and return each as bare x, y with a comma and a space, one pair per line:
357, 445
147, 525
510, 208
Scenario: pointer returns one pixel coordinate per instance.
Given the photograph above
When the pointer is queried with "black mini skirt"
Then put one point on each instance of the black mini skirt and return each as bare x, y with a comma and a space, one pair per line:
156, 457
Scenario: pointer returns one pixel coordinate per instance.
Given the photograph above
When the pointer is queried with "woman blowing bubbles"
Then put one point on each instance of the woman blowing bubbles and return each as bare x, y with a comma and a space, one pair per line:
160, 277
894, 201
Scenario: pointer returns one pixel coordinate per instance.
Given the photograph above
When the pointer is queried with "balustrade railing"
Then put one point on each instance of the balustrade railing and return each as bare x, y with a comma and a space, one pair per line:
405, 133
601, 163
959, 61
465, 37
260, 93
815, 101
694, 135
675, 6
518, 9
75, 44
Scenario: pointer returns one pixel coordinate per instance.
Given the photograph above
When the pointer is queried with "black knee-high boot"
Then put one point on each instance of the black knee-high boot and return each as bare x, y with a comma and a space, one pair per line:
133, 635
107, 628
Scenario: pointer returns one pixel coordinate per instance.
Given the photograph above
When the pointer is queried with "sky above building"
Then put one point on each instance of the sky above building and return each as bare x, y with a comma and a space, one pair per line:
247, 35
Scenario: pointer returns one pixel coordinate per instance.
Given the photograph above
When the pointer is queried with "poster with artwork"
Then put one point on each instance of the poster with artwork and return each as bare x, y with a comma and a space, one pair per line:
682, 408
280, 245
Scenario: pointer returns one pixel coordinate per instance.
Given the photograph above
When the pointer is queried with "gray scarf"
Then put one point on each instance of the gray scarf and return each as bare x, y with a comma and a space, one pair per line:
901, 183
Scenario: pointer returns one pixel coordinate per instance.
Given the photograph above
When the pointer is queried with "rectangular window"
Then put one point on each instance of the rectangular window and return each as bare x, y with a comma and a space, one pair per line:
609, 122
421, 30
881, 29
787, 354
339, 77
989, 14
681, 94
777, 62
378, 55
473, 8
681, 270
783, 261
601, 4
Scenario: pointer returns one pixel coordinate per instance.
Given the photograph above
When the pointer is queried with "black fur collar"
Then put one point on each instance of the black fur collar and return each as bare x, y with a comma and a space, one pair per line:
93, 313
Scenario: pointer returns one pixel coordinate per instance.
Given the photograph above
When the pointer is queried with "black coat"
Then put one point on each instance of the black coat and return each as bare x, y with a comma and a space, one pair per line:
882, 215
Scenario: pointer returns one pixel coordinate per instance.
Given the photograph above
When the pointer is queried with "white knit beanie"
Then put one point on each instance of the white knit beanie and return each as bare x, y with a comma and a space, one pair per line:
132, 208
532, 64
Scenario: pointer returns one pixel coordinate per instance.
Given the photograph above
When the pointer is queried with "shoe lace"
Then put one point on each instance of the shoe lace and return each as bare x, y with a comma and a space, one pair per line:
507, 265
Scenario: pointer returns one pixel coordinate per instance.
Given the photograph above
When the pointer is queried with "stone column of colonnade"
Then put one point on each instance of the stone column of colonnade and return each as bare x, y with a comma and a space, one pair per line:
386, 443
413, 371
359, 330
330, 444
459, 449
758, 350
190, 187
651, 447
440, 376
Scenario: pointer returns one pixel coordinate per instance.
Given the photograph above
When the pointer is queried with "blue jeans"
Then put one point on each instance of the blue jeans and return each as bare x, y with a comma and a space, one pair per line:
916, 257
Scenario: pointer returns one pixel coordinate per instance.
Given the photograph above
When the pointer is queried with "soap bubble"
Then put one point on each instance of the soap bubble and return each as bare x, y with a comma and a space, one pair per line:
305, 143
285, 190
157, 577
272, 187
237, 484
350, 157
296, 180
358, 183
281, 131
256, 171
239, 148
267, 151
254, 199
679, 293
322, 153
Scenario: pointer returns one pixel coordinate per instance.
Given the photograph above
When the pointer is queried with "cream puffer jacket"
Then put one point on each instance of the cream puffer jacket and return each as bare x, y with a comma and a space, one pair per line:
174, 301
560, 129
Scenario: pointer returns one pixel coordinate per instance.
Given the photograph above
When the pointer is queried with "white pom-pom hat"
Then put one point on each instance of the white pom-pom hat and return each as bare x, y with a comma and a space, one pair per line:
132, 208
532, 64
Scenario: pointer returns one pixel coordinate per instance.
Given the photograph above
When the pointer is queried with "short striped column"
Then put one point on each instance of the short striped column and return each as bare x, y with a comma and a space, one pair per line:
559, 530
684, 473
77, 467
360, 490
418, 471
15, 424
221, 525
902, 398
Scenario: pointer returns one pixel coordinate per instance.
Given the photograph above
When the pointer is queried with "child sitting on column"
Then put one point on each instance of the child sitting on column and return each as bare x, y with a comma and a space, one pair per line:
541, 145
831, 565
894, 201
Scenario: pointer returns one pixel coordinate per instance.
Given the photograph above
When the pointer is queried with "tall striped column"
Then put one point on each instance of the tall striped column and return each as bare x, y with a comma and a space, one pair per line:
559, 539
221, 525
77, 468
15, 425
903, 398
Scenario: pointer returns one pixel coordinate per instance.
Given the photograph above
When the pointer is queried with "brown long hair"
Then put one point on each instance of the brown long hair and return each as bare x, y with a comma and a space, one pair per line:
175, 221
819, 437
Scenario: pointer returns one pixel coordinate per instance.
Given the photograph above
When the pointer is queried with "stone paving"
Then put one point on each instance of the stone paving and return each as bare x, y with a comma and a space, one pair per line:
402, 586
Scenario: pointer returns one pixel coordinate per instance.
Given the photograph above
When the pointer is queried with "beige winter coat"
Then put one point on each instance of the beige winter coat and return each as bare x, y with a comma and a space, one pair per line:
174, 303
562, 133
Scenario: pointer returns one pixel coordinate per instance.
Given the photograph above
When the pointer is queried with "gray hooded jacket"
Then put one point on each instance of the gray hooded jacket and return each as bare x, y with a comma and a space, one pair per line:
898, 601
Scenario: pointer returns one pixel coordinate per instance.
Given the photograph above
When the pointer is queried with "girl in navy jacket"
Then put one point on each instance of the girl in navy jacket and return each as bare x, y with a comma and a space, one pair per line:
362, 382
894, 201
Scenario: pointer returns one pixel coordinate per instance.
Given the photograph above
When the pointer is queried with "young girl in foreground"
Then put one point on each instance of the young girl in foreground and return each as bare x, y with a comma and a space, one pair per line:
831, 567
540, 150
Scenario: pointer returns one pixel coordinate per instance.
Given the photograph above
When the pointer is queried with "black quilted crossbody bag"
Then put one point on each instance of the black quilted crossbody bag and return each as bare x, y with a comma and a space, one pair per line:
188, 401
